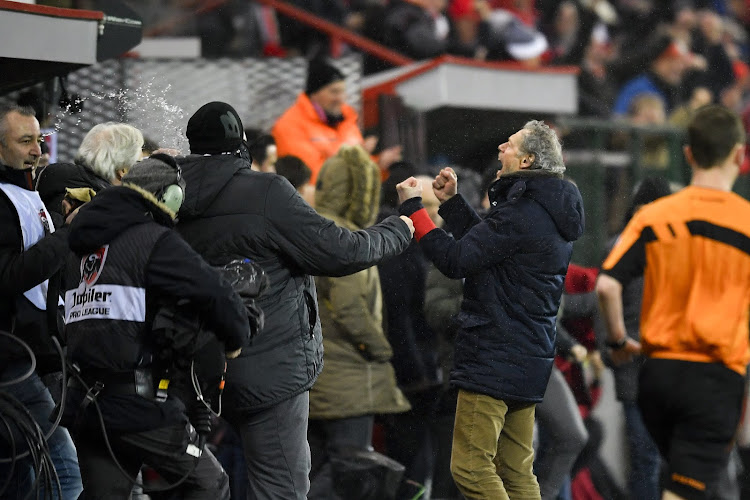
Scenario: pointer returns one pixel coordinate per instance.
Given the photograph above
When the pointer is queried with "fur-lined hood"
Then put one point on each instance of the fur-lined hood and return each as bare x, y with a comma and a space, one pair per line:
349, 187
112, 212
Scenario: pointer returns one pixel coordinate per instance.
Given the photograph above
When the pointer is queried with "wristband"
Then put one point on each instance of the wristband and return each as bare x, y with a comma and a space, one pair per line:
618, 344
422, 223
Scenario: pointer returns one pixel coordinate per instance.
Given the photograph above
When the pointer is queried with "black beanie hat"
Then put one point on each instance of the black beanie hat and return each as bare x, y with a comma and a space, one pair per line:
320, 74
215, 128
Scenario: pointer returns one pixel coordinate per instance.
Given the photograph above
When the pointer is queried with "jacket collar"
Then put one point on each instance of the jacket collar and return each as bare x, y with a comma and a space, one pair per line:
20, 178
308, 108
511, 187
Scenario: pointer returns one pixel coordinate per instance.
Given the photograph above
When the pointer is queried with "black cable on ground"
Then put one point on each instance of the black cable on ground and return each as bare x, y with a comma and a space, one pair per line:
15, 415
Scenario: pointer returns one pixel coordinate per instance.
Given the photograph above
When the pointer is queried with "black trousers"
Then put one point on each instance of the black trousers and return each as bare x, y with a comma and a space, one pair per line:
164, 449
692, 411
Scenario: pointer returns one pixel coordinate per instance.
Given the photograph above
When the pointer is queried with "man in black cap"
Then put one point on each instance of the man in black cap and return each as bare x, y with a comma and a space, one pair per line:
320, 122
231, 211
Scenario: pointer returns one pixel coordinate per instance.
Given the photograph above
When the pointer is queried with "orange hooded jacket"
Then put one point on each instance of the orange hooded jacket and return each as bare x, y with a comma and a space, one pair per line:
301, 132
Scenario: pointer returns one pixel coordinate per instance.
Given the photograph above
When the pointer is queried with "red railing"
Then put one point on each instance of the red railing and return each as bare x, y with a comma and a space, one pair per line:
336, 33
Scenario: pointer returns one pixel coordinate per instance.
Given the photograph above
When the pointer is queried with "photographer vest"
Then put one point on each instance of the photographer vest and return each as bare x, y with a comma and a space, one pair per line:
36, 223
106, 314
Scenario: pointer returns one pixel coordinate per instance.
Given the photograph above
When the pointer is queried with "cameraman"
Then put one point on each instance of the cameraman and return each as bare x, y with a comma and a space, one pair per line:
131, 262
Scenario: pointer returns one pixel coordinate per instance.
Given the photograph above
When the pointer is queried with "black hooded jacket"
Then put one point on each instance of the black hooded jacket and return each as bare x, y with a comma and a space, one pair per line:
231, 211
514, 263
132, 224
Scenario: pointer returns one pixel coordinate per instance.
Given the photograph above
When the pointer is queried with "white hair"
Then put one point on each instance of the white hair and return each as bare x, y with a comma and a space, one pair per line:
543, 143
109, 147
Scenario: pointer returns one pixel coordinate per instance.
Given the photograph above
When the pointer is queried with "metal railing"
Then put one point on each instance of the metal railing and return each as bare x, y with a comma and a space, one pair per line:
607, 159
337, 34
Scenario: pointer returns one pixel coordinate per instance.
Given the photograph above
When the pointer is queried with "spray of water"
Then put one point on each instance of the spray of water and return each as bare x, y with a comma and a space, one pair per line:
146, 107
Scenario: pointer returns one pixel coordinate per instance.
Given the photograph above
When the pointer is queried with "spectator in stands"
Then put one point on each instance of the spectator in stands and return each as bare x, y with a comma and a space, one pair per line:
263, 150
417, 28
506, 38
606, 58
231, 211
709, 46
358, 381
563, 36
663, 78
522, 9
106, 153
465, 21
681, 116
302, 40
694, 315
298, 174
321, 121
597, 84
648, 110
513, 283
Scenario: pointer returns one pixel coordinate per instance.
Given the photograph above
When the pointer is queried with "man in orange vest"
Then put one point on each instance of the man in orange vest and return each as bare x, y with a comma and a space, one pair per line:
321, 121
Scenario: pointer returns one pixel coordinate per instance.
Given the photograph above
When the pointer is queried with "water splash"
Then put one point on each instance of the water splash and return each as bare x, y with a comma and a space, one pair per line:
146, 107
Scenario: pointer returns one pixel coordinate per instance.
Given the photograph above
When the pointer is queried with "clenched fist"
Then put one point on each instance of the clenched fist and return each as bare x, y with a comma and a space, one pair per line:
445, 185
410, 188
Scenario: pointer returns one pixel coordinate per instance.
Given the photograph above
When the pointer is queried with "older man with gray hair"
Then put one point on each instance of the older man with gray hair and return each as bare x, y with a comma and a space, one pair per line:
513, 262
106, 153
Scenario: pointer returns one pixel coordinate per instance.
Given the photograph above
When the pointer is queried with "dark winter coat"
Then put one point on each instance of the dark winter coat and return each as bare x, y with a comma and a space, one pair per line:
52, 181
21, 270
514, 263
231, 211
143, 266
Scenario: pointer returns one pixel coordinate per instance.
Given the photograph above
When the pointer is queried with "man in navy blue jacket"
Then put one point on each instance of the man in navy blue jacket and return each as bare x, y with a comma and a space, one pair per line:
514, 262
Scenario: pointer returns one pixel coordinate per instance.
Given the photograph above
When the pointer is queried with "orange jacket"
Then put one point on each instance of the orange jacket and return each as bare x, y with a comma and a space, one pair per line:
301, 132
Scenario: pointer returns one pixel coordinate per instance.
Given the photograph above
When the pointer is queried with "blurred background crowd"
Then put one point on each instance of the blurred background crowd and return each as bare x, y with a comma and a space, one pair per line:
643, 66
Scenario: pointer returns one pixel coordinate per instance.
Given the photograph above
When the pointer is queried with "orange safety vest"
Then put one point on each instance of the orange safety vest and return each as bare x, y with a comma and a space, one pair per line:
301, 132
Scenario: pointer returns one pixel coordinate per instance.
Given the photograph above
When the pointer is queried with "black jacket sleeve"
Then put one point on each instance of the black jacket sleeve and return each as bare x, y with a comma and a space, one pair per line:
320, 247
459, 216
21, 270
580, 305
564, 341
176, 270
